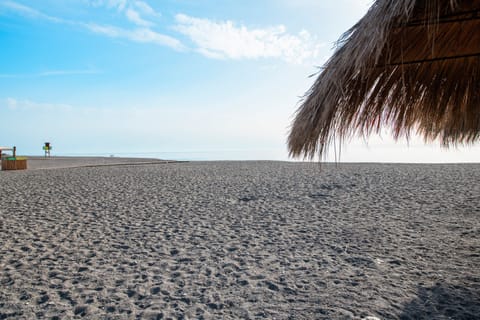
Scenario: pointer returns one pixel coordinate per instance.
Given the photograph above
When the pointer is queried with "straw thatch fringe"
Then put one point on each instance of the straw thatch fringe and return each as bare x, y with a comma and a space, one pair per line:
413, 65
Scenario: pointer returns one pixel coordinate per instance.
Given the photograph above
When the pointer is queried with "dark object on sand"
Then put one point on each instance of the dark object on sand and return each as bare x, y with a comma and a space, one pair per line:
412, 65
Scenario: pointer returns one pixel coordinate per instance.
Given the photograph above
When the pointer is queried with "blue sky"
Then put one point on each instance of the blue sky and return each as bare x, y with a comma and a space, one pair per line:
195, 79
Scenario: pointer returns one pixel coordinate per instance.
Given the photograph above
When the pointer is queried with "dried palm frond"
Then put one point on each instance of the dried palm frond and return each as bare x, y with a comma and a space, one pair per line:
411, 65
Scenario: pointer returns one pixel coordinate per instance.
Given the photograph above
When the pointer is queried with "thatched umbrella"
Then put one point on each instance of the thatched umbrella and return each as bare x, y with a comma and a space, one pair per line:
411, 65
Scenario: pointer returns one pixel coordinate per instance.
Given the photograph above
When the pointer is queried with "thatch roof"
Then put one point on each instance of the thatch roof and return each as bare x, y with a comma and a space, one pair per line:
410, 65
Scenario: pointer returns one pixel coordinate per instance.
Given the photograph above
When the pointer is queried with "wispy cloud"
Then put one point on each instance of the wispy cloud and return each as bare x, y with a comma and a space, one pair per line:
26, 105
213, 39
134, 16
142, 33
145, 8
225, 40
29, 12
135, 11
49, 73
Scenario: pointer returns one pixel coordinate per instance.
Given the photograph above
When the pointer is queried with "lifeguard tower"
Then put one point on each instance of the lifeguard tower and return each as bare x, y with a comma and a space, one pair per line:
47, 147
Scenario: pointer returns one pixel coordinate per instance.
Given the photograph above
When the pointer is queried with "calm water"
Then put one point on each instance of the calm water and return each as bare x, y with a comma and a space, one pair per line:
263, 154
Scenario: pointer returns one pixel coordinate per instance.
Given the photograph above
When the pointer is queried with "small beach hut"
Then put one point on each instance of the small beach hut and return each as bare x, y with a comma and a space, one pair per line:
12, 162
410, 65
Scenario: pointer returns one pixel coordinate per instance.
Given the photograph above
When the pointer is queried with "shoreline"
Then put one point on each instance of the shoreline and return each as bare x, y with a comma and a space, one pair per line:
59, 162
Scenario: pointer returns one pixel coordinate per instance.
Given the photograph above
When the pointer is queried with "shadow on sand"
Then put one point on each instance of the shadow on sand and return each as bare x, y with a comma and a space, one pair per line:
444, 301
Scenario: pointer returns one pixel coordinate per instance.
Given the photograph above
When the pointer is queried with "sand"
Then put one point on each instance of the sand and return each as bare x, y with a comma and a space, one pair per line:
241, 240
36, 162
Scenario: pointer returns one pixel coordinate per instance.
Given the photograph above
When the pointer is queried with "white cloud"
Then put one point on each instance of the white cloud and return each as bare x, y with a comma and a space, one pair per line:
143, 35
135, 17
133, 10
28, 105
29, 12
145, 8
226, 40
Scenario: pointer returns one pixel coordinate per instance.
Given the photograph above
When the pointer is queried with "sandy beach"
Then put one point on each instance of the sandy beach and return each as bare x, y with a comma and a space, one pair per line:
240, 240
40, 163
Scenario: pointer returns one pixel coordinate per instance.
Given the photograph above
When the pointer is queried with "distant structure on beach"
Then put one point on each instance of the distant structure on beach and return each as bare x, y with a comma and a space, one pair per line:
412, 65
47, 147
12, 162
